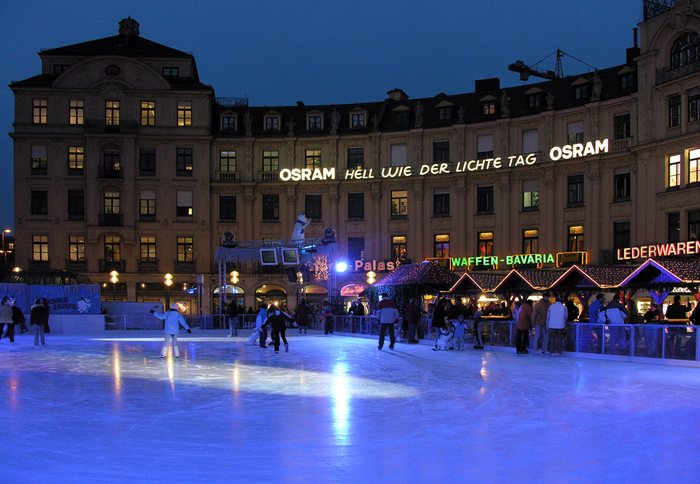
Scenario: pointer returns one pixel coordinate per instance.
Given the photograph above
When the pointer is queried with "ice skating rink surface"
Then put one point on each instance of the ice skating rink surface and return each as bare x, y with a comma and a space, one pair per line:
335, 409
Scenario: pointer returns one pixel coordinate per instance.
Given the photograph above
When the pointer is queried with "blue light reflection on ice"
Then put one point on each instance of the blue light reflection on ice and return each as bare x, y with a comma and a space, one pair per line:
340, 402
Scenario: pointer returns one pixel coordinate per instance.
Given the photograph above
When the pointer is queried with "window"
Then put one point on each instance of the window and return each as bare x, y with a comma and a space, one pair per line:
582, 91
622, 126
628, 81
574, 190
312, 158
184, 204
674, 171
76, 248
484, 200
185, 249
402, 118
441, 151
40, 160
228, 122
488, 108
40, 248
112, 203
399, 204
227, 161
76, 114
485, 243
271, 161
113, 248
694, 166
183, 163
39, 111
531, 241
356, 206
60, 68
530, 141
76, 160
314, 121
111, 164
227, 208
674, 111
112, 70
356, 248
356, 158
270, 207
531, 195
112, 113
171, 71
357, 120
622, 185
76, 205
484, 146
147, 205
621, 235
694, 225
40, 202
685, 50
272, 123
313, 206
147, 252
575, 238
399, 249
674, 227
441, 245
445, 114
184, 113
534, 100
694, 108
574, 132
398, 155
148, 113
147, 162
441, 202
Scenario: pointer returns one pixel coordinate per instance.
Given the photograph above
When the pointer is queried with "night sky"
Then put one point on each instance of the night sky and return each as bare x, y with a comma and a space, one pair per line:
325, 52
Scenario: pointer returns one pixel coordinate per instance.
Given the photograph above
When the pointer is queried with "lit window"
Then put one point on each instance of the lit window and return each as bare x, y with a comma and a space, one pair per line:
76, 113
39, 111
575, 238
184, 204
399, 204
488, 108
441, 245
227, 161
312, 158
147, 205
112, 113
674, 171
185, 249
76, 160
271, 161
148, 113
485, 243
399, 247
113, 248
531, 195
184, 113
76, 248
694, 166
531, 241
147, 248
40, 248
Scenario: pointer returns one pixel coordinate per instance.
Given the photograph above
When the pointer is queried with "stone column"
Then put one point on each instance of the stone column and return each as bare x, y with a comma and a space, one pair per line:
503, 236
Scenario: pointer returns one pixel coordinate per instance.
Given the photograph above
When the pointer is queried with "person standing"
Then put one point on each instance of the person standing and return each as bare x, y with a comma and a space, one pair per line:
651, 335
387, 314
38, 319
303, 315
459, 331
261, 326
6, 320
278, 326
45, 303
523, 325
557, 314
18, 318
438, 318
173, 320
413, 314
539, 322
676, 311
327, 316
233, 320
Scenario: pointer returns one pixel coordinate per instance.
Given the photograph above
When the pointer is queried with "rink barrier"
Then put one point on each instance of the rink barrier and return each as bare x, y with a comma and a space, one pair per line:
652, 341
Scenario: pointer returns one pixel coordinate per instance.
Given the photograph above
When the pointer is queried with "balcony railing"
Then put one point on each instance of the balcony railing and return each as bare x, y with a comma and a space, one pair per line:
148, 265
228, 176
76, 265
269, 176
111, 219
112, 265
665, 75
621, 144
184, 267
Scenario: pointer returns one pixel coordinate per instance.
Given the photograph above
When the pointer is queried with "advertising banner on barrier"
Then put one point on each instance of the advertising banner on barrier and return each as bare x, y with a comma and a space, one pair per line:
79, 299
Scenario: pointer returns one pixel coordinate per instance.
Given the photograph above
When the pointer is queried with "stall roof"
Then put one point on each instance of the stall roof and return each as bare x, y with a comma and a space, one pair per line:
651, 273
686, 270
424, 273
477, 281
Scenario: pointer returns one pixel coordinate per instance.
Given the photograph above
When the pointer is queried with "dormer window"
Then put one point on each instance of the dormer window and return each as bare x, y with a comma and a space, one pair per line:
534, 100
314, 121
171, 71
229, 122
402, 116
358, 120
685, 50
488, 108
582, 89
272, 122
59, 68
445, 114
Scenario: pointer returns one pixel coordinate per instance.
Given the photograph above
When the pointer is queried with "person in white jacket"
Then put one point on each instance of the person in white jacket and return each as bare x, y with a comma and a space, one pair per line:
557, 314
173, 319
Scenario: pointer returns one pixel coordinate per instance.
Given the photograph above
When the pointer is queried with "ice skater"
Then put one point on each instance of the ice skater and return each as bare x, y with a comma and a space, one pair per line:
459, 329
173, 320
278, 324
261, 325
387, 314
444, 336
38, 318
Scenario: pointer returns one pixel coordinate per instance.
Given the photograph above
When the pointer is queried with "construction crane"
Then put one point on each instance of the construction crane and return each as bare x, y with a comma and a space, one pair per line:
526, 71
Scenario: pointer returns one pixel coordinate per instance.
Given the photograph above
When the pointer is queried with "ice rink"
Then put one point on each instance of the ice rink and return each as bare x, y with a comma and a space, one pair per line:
335, 409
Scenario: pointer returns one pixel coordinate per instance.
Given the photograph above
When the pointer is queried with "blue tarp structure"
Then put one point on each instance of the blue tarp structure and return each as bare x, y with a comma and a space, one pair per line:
68, 299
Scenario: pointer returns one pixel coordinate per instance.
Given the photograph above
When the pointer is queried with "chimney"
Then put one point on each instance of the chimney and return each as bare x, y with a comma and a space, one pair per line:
485, 85
128, 27
633, 52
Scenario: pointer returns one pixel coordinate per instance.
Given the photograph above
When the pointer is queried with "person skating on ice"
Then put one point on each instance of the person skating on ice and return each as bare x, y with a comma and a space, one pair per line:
387, 314
277, 320
173, 320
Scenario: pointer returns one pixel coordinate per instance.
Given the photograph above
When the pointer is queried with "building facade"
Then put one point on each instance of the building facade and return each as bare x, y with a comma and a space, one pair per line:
124, 160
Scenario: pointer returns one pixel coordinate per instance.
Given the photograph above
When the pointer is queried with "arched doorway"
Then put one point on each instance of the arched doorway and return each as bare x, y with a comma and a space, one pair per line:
231, 292
270, 294
350, 292
315, 295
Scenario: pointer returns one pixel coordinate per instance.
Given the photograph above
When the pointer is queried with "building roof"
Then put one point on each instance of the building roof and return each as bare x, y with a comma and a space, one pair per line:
131, 45
428, 274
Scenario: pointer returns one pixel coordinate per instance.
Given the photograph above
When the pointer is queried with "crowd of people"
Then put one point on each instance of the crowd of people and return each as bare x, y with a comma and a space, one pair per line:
12, 320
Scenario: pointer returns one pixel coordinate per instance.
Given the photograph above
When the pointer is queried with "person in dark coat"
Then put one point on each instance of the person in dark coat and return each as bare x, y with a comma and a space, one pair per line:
6, 319
412, 314
46, 323
232, 315
38, 319
277, 319
438, 319
523, 326
18, 318
303, 316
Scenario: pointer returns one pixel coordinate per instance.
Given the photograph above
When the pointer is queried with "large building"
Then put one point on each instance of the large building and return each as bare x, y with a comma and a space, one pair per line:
124, 160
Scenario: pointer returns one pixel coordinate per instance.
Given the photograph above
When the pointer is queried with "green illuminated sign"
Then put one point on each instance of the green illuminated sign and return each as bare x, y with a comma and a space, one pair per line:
509, 260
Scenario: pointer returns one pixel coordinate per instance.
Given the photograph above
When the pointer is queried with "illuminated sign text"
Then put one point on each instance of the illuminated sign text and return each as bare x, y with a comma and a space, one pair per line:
659, 250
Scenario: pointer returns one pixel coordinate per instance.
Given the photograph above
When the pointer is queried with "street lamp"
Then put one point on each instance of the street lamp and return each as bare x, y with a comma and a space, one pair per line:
114, 278
6, 230
168, 281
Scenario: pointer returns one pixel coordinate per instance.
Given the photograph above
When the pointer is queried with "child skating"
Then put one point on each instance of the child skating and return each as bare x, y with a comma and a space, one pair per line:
173, 320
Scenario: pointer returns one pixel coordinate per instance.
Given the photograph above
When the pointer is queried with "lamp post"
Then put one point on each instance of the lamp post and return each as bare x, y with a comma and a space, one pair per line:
168, 281
6, 230
114, 279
